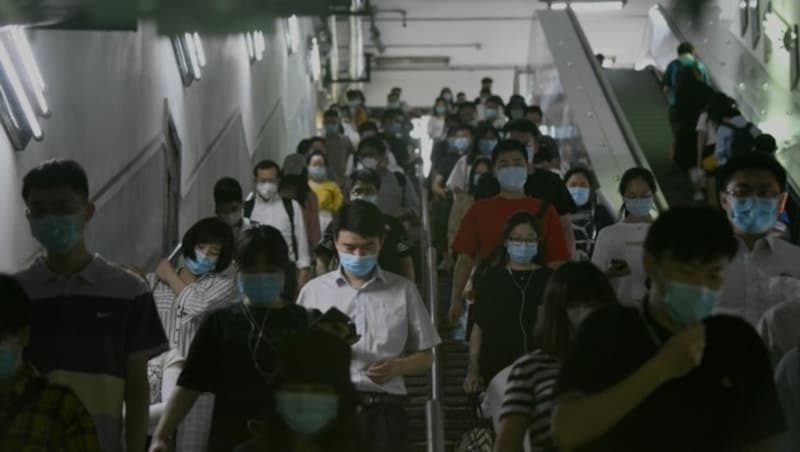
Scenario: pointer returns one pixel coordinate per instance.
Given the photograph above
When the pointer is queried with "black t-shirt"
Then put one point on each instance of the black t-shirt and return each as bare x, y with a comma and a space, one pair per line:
396, 245
587, 221
446, 163
222, 361
730, 399
547, 186
505, 316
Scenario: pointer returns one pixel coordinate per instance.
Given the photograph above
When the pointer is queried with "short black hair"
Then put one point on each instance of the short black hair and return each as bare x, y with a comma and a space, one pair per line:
228, 190
466, 105
52, 174
331, 113
522, 125
497, 100
685, 47
368, 176
265, 165
263, 242
15, 307
360, 217
374, 142
487, 80
486, 91
689, 233
368, 126
634, 173
305, 144
765, 143
210, 230
546, 149
452, 130
748, 162
509, 145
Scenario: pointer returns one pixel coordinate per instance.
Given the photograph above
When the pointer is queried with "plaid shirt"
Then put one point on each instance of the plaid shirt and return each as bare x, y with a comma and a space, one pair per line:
52, 419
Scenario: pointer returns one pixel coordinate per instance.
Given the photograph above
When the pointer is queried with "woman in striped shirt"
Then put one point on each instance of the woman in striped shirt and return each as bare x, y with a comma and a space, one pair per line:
183, 296
575, 290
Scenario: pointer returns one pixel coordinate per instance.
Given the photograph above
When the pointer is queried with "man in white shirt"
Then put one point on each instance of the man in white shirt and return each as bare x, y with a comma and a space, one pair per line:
267, 207
397, 334
753, 192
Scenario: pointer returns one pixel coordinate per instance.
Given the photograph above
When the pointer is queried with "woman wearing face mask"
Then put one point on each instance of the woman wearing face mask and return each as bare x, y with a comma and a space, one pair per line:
574, 291
356, 103
315, 402
486, 138
506, 302
233, 353
447, 94
436, 123
183, 297
618, 249
591, 216
328, 192
462, 201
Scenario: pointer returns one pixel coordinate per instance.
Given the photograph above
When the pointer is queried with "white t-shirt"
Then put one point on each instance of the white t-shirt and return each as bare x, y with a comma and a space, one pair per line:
459, 177
624, 241
706, 125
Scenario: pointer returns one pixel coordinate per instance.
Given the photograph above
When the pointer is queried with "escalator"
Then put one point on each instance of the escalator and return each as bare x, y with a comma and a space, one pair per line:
644, 106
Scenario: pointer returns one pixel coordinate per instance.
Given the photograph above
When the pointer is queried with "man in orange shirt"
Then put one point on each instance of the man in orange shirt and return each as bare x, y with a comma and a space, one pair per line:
482, 228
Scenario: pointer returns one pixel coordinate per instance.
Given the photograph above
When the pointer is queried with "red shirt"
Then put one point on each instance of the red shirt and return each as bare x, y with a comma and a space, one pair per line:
481, 230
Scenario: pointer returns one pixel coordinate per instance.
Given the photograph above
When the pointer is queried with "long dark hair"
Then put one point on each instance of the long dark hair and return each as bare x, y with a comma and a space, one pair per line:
474, 150
471, 183
593, 184
572, 283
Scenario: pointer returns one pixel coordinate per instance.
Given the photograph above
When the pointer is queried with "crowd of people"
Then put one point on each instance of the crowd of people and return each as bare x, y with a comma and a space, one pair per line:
292, 317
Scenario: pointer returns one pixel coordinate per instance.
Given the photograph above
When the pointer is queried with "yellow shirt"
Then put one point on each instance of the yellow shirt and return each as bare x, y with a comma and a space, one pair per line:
329, 194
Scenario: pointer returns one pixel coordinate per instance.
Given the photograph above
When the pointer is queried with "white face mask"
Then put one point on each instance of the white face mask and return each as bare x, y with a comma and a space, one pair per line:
370, 163
266, 189
232, 219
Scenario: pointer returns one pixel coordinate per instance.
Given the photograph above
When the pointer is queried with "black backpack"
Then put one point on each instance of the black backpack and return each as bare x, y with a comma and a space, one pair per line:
743, 140
288, 205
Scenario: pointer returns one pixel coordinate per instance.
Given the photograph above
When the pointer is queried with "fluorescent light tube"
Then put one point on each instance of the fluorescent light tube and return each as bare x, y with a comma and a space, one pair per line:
198, 45
34, 76
19, 93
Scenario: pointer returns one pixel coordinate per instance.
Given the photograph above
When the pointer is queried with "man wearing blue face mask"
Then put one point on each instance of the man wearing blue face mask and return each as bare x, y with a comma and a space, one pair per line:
337, 146
98, 346
668, 375
753, 192
233, 354
397, 334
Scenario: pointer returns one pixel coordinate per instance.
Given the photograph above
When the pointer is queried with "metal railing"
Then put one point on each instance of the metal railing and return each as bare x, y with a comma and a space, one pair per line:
434, 415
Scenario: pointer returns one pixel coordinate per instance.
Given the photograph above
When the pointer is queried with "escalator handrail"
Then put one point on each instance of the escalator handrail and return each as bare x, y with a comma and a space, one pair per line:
616, 108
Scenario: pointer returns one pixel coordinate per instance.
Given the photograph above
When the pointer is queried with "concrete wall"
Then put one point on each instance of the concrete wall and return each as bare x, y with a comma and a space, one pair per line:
111, 95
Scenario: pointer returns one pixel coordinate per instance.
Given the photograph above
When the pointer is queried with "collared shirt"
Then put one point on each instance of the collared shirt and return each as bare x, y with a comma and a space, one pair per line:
389, 315
273, 213
51, 417
181, 314
745, 286
85, 329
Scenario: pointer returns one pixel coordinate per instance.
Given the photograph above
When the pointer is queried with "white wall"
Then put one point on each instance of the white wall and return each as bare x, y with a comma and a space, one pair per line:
621, 37
108, 93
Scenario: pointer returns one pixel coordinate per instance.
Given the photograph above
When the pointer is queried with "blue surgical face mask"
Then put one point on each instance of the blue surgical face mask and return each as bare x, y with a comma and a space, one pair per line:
460, 144
317, 172
9, 361
331, 129
512, 178
358, 266
753, 215
516, 114
580, 195
639, 207
262, 289
57, 234
688, 303
305, 413
369, 163
486, 146
490, 114
521, 252
447, 96
440, 109
201, 263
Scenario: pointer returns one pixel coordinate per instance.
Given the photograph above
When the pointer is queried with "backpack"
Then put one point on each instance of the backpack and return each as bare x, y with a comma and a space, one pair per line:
743, 140
288, 205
